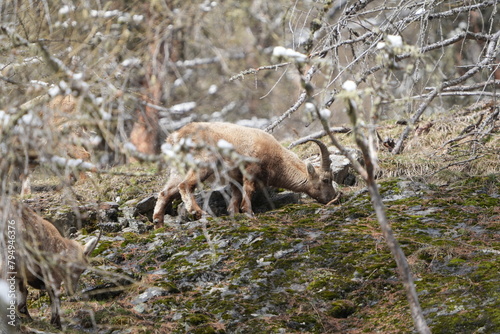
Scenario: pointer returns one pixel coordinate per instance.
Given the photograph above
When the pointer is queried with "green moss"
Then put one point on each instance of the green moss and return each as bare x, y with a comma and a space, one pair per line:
101, 247
197, 319
206, 329
114, 315
168, 286
468, 321
315, 269
341, 308
328, 286
166, 301
457, 262
121, 320
306, 322
159, 230
129, 237
134, 238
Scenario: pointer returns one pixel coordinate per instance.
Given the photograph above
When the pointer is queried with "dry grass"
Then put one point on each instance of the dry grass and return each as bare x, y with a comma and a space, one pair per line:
437, 154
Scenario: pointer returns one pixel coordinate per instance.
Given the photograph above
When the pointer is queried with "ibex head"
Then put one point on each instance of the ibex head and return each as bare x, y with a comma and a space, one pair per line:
320, 184
79, 263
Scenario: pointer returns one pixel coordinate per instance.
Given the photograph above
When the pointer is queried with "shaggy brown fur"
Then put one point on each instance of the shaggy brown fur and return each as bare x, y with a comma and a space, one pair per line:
43, 258
270, 164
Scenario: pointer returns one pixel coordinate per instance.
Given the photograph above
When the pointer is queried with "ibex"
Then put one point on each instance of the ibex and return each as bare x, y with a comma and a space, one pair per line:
36, 254
59, 122
269, 164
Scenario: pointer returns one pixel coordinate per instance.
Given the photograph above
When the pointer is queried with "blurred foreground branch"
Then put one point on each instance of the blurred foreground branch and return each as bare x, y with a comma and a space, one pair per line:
242, 74
368, 174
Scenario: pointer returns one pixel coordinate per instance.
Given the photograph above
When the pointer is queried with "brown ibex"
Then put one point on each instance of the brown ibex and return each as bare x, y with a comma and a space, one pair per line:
269, 164
36, 254
61, 137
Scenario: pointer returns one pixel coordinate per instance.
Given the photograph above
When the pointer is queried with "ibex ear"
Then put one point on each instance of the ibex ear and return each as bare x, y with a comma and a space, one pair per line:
312, 171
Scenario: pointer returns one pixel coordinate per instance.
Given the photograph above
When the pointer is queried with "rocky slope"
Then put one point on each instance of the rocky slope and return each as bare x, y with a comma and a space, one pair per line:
302, 268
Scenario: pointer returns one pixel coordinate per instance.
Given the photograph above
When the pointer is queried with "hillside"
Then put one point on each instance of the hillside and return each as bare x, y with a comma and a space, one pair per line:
301, 268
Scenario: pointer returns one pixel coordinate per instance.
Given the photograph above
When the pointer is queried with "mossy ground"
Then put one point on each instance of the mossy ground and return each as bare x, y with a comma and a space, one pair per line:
304, 268
308, 269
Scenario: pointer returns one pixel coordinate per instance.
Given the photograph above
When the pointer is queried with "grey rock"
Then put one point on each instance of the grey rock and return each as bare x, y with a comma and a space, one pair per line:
215, 203
140, 308
146, 205
342, 170
108, 211
155, 244
65, 220
128, 212
134, 225
148, 294
405, 189
110, 227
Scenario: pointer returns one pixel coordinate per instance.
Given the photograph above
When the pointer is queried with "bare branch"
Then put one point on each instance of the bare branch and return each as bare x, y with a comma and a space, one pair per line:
368, 174
294, 108
487, 59
458, 163
319, 134
302, 98
452, 40
204, 61
423, 106
242, 74
462, 9
478, 85
459, 93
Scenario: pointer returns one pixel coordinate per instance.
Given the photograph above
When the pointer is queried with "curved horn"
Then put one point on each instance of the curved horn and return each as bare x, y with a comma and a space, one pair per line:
92, 244
99, 237
326, 162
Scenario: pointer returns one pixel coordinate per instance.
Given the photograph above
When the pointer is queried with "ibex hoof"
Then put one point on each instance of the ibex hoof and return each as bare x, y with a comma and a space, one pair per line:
157, 223
249, 214
199, 214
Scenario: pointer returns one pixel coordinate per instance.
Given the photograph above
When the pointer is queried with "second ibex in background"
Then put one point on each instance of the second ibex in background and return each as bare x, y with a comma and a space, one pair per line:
53, 135
265, 163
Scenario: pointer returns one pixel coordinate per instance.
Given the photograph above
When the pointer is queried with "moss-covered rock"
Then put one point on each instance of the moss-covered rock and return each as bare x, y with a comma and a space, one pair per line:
307, 268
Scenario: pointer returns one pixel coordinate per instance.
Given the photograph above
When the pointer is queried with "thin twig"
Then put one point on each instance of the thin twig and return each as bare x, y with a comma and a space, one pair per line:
302, 98
319, 134
487, 59
368, 174
291, 110
204, 61
456, 163
478, 85
452, 40
457, 93
423, 106
242, 74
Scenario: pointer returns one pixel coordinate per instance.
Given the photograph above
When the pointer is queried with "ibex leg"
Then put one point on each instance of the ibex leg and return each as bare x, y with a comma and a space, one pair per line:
186, 189
165, 198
